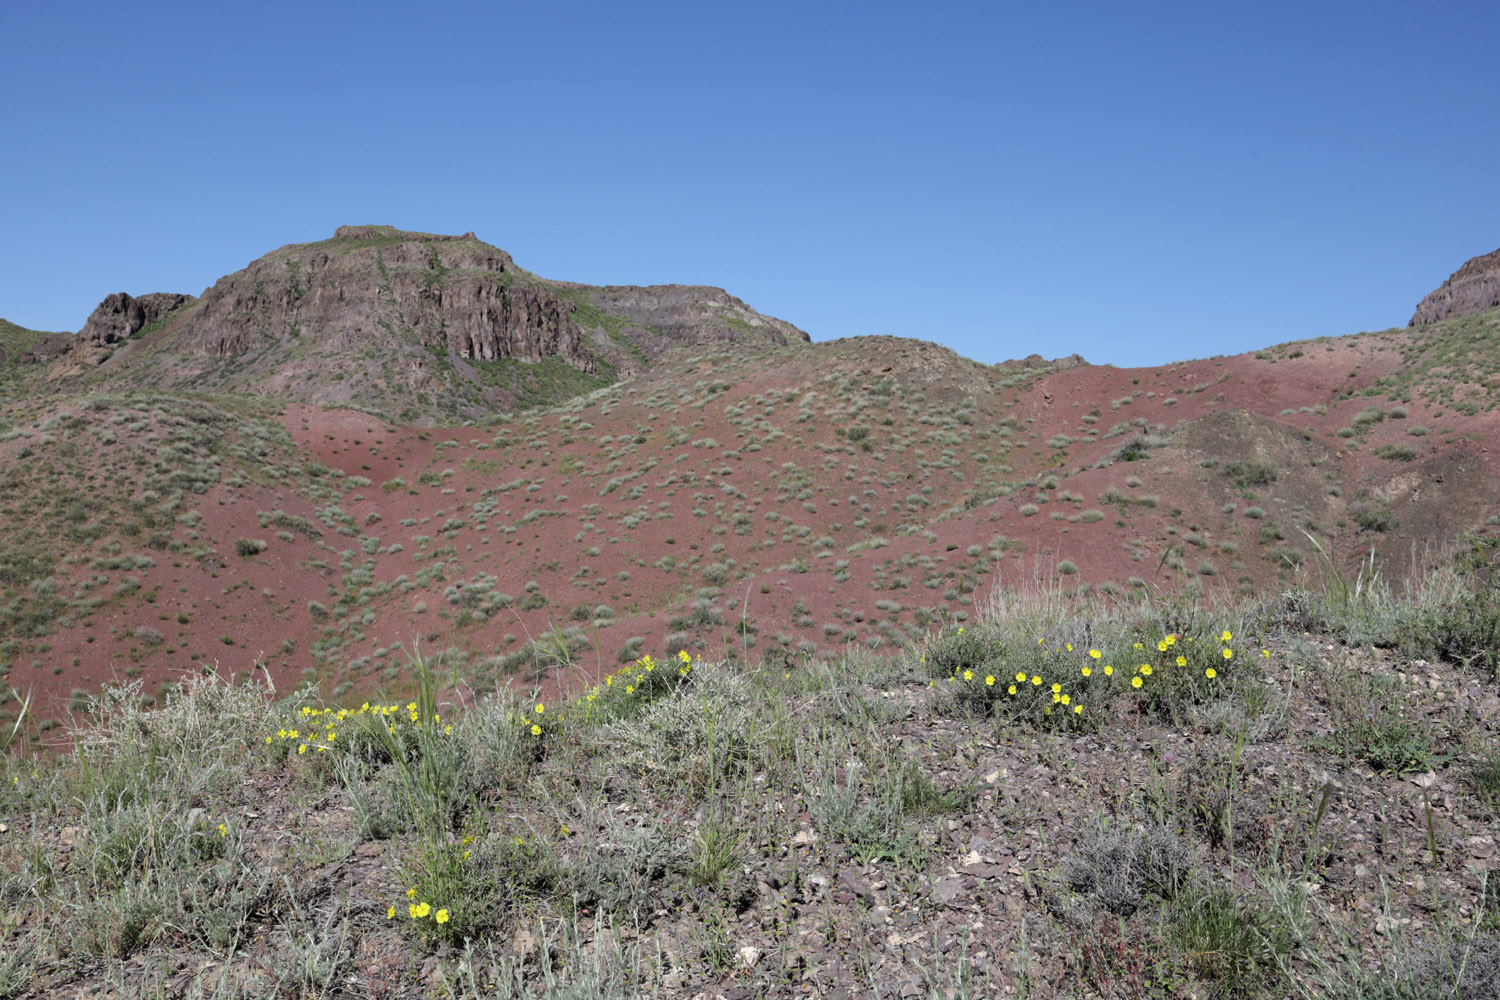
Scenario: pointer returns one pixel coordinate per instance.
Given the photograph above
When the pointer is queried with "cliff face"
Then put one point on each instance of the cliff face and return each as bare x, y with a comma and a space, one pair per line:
1473, 288
449, 294
121, 316
413, 324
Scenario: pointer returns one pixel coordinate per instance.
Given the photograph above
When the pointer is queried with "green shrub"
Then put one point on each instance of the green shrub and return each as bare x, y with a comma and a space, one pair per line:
1396, 452
248, 547
1255, 472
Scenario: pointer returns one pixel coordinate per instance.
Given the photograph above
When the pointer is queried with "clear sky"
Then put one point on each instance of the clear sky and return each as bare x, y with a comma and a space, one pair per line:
1136, 182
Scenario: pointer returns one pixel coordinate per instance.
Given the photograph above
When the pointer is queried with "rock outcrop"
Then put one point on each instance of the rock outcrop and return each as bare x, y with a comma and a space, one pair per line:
1036, 361
691, 314
1473, 288
121, 316
450, 294
413, 324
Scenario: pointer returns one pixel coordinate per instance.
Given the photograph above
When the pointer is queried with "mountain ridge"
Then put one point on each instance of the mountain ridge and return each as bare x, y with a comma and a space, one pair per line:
419, 326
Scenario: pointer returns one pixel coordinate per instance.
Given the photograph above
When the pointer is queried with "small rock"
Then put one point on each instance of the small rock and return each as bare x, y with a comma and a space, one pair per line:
945, 889
748, 955
804, 837
849, 880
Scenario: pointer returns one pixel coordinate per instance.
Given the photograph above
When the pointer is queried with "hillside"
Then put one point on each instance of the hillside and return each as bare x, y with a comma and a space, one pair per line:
417, 327
737, 501
23, 351
736, 665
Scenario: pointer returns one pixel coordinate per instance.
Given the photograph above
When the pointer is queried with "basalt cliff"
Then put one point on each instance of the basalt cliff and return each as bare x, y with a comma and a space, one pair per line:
1471, 289
416, 326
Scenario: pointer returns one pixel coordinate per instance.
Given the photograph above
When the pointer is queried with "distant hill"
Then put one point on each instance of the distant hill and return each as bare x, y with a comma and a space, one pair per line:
418, 327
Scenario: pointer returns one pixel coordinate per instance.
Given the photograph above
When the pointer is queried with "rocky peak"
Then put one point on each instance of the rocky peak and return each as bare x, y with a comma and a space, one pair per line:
412, 323
121, 316
1473, 288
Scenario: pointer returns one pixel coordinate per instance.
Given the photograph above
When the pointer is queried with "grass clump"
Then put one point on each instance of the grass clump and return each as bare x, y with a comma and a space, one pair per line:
1253, 472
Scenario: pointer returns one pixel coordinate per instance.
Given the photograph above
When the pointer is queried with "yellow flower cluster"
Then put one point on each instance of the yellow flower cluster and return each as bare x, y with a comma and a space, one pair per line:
323, 723
1070, 696
419, 911
646, 675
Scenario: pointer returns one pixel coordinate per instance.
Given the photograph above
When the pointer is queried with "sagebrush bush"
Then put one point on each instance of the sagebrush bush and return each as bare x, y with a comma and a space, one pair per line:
1120, 869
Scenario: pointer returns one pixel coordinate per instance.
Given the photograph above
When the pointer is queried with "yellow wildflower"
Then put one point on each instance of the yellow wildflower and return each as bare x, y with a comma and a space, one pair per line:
1210, 673
1135, 682
441, 916
1087, 671
1095, 654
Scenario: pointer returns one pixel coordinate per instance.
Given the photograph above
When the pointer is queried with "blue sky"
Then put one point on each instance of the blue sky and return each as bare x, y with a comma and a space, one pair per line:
1133, 182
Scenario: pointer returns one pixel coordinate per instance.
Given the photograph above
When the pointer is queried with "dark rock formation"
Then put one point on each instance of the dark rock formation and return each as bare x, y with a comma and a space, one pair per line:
1473, 288
404, 323
48, 348
450, 294
1035, 361
121, 316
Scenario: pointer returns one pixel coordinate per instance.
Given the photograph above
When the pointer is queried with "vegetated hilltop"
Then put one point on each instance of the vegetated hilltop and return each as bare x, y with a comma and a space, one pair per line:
1473, 288
22, 349
418, 327
737, 499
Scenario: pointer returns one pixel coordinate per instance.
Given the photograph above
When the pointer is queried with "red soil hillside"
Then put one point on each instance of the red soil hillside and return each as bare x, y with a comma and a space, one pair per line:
735, 500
